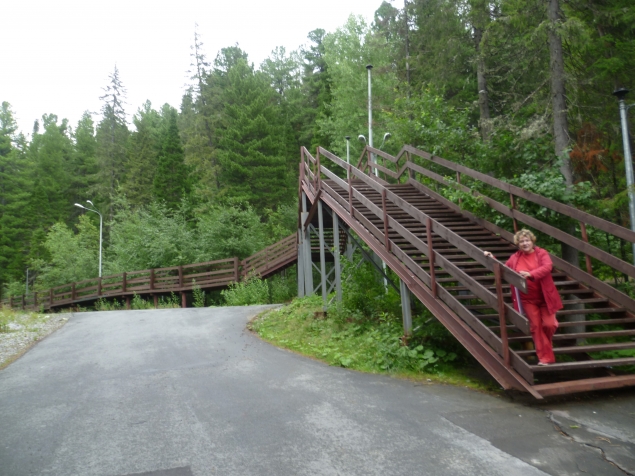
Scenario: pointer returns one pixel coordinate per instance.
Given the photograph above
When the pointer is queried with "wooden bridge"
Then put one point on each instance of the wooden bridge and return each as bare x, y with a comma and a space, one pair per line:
397, 209
436, 250
164, 281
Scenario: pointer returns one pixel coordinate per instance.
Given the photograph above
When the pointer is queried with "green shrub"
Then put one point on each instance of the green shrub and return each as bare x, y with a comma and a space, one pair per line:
252, 290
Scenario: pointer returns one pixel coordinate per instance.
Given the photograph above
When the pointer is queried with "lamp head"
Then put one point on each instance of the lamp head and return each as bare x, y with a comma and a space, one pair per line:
387, 135
80, 206
361, 137
620, 93
347, 137
88, 201
369, 67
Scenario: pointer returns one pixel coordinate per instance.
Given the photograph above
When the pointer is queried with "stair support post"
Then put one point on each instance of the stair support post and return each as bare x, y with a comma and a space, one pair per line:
433, 279
501, 312
406, 311
336, 257
306, 252
300, 262
322, 255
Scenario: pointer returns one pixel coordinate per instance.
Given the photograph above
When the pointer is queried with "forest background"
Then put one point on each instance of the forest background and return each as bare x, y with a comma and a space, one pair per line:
520, 89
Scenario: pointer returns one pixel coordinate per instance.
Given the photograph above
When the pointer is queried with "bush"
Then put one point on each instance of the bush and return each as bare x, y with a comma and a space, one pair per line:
252, 290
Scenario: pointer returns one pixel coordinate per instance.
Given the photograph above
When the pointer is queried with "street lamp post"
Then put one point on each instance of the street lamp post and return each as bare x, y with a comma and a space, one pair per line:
101, 222
628, 159
373, 159
348, 153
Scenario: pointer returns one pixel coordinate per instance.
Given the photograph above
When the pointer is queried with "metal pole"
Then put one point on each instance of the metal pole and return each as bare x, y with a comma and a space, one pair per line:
336, 256
628, 159
322, 255
348, 155
405, 308
101, 234
306, 251
300, 266
373, 159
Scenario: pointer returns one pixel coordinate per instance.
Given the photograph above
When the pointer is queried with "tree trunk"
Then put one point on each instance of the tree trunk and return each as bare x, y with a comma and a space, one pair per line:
558, 94
561, 132
481, 79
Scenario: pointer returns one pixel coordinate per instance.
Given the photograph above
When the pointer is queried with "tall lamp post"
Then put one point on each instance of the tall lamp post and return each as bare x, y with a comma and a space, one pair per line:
101, 222
628, 159
373, 159
348, 153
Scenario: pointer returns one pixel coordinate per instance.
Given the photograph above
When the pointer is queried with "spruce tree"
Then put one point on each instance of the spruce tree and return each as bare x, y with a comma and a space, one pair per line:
171, 181
112, 137
252, 148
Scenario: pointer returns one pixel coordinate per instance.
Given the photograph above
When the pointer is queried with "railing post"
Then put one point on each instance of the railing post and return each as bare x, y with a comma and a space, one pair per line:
318, 178
585, 237
50, 298
35, 300
512, 200
350, 193
183, 300
152, 278
383, 206
23, 302
180, 276
433, 279
124, 283
73, 292
410, 172
236, 270
458, 180
11, 301
99, 286
501, 311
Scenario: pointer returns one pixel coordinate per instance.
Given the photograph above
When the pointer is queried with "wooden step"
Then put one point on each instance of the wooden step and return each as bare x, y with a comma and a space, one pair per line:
584, 364
581, 335
583, 349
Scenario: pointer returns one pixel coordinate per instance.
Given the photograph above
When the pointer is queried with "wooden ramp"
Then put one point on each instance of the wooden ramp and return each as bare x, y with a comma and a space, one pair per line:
164, 281
436, 249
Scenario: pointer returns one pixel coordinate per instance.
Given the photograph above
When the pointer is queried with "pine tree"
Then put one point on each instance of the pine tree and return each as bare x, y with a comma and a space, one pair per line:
144, 147
14, 193
83, 161
252, 148
112, 137
171, 181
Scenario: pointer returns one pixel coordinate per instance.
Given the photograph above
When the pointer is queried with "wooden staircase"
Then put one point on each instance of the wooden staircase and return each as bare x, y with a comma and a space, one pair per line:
437, 249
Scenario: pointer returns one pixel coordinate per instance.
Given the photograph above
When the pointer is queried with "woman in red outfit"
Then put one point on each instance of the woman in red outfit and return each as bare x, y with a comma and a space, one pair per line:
542, 301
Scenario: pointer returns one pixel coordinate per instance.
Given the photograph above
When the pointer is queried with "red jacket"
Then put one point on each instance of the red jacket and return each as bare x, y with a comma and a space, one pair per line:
542, 276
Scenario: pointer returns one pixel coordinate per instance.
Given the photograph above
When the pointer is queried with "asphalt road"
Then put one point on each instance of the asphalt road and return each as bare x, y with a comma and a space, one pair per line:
191, 392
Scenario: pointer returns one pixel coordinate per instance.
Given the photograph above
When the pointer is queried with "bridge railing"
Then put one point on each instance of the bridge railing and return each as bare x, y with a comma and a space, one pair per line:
209, 274
406, 167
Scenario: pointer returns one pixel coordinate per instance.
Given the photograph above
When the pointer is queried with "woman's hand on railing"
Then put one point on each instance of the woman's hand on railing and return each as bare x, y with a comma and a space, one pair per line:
488, 254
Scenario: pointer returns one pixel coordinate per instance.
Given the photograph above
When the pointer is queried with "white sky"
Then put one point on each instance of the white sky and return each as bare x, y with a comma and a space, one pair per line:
55, 56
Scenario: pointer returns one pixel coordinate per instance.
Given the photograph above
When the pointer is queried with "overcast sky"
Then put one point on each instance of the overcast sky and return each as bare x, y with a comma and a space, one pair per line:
55, 57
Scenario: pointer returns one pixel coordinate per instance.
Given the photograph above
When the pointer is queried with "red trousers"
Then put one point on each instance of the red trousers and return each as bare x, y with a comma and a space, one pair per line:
542, 326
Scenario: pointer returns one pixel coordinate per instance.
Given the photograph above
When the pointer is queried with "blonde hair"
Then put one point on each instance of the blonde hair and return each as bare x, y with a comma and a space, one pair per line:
524, 232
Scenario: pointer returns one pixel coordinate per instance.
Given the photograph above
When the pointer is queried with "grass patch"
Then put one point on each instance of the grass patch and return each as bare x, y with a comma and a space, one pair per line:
346, 338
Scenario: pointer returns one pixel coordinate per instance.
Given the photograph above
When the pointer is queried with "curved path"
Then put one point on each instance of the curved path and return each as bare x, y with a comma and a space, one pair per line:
190, 392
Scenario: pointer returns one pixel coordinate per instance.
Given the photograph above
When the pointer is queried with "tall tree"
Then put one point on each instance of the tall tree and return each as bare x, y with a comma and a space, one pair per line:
14, 194
112, 137
252, 152
143, 149
171, 180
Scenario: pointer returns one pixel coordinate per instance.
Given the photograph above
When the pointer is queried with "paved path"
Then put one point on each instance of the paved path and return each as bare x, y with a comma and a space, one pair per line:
190, 392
